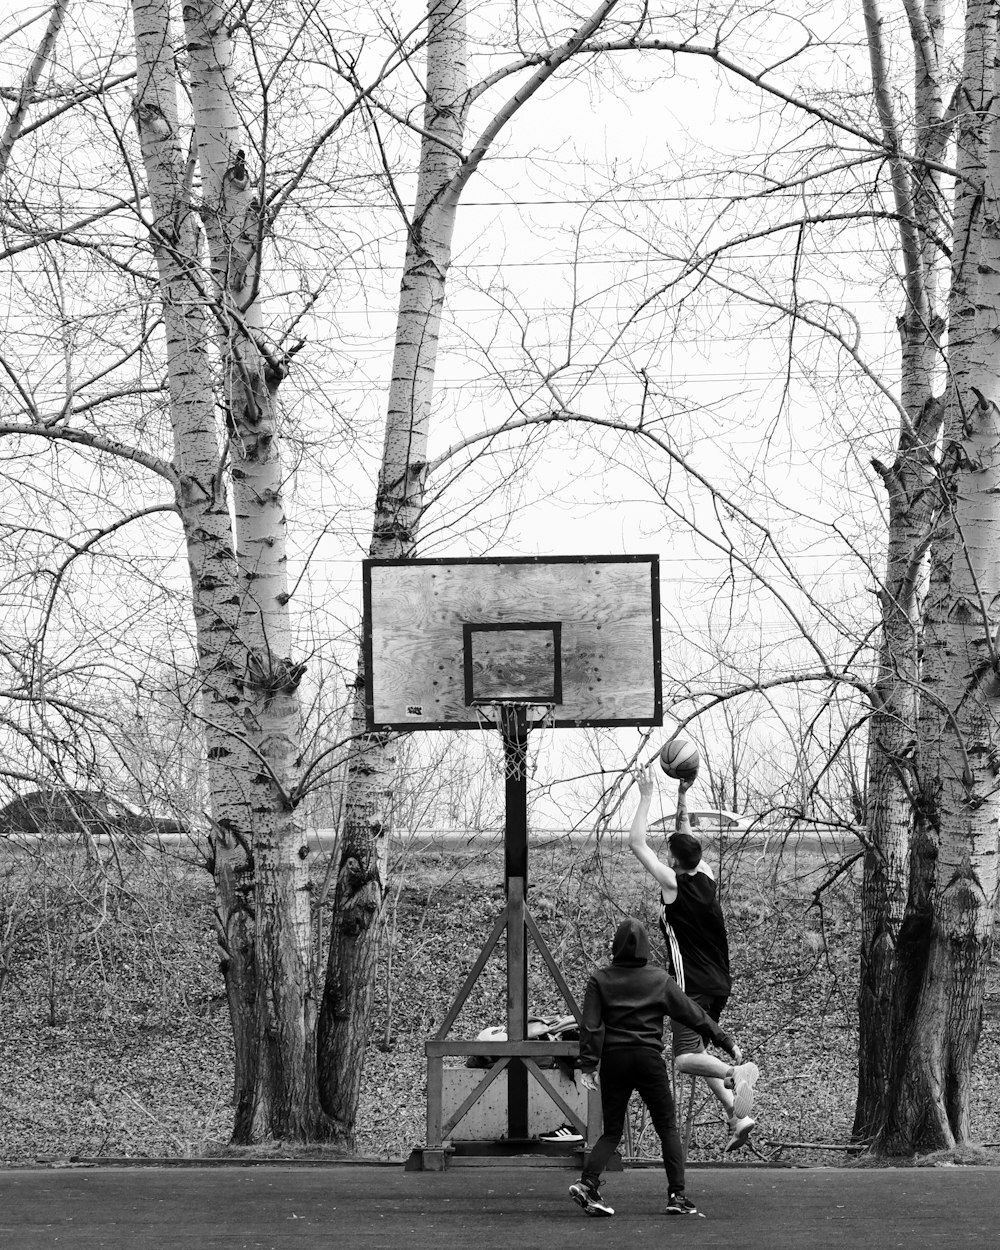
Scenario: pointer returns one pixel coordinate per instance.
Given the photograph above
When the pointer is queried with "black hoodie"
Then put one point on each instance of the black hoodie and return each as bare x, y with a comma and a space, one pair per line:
626, 1002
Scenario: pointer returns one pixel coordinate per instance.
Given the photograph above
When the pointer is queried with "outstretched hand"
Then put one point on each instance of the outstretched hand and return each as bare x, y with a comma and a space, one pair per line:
644, 779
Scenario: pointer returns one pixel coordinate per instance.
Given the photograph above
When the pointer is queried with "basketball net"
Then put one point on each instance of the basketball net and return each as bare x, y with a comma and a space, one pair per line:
508, 718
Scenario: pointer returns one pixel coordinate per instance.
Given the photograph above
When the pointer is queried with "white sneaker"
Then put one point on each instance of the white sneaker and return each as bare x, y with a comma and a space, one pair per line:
744, 1078
740, 1129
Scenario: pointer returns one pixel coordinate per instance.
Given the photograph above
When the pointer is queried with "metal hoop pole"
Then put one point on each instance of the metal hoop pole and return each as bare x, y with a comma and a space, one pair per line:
514, 730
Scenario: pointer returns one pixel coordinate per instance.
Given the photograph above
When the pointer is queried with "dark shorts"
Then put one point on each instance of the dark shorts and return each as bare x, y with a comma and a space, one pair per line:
687, 1041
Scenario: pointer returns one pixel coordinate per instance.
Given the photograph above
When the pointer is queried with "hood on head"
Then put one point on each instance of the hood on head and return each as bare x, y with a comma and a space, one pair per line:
631, 943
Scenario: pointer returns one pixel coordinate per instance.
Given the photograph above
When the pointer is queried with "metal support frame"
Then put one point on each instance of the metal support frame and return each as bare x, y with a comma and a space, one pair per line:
518, 1056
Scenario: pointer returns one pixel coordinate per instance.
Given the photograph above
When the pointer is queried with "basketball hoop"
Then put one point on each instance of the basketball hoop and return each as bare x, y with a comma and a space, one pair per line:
512, 719
511, 643
580, 633
493, 713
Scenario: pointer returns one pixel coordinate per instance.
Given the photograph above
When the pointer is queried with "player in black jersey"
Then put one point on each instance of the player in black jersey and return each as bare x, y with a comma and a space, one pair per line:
698, 951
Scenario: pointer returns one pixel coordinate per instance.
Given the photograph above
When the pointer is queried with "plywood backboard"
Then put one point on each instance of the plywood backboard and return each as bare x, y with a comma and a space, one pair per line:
579, 632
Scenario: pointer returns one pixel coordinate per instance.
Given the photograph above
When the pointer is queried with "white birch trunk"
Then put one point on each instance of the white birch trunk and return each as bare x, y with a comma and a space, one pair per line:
953, 873
15, 120
422, 291
364, 842
202, 505
910, 484
283, 1103
443, 174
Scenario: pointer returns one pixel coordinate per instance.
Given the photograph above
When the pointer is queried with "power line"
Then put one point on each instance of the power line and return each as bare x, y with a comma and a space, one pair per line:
650, 260
355, 562
390, 206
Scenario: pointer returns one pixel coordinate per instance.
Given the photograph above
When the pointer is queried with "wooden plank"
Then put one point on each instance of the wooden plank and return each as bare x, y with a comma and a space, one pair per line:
474, 1097
567, 1160
595, 1117
435, 1066
556, 1097
438, 1047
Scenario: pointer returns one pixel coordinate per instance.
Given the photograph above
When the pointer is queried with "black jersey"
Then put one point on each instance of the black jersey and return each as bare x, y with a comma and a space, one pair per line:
695, 933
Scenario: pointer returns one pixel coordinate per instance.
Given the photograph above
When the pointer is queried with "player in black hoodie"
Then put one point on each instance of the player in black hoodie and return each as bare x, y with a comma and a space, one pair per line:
622, 1031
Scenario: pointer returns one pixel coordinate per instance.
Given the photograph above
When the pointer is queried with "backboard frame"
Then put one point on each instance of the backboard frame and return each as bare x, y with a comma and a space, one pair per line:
470, 631
642, 575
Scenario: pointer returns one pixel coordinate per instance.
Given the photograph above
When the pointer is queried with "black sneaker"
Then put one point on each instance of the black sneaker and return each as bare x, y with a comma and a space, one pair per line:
681, 1205
588, 1197
564, 1133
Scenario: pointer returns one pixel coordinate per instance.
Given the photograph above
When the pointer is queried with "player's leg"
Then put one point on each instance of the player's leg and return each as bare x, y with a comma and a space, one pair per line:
616, 1089
731, 1085
690, 1056
744, 1075
701, 1063
653, 1085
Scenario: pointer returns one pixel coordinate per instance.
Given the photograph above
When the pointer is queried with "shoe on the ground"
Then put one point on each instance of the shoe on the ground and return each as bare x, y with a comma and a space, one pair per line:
680, 1204
744, 1078
739, 1133
564, 1133
590, 1199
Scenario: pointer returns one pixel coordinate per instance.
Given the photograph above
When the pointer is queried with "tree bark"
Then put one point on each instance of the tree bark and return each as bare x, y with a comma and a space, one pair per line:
946, 931
360, 889
239, 586
911, 488
283, 1101
204, 513
443, 173
15, 120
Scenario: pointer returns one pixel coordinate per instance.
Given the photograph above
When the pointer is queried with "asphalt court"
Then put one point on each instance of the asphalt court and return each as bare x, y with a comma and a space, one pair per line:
375, 1207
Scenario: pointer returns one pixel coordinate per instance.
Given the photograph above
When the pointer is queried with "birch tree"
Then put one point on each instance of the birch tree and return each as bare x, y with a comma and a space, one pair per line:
212, 203
239, 588
912, 514
445, 170
930, 881
945, 936
200, 198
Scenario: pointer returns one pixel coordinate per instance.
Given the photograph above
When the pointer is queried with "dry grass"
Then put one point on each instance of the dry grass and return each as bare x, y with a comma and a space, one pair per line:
114, 1039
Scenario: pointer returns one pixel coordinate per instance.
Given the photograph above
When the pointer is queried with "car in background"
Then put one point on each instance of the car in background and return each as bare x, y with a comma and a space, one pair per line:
69, 811
707, 820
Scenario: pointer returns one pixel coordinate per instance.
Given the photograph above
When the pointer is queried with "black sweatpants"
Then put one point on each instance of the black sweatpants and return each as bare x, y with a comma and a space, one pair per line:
638, 1068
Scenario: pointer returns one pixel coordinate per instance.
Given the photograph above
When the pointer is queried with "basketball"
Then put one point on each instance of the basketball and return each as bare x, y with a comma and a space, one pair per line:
679, 759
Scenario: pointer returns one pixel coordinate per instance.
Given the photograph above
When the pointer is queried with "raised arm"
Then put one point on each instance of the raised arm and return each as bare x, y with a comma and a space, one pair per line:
661, 873
682, 821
